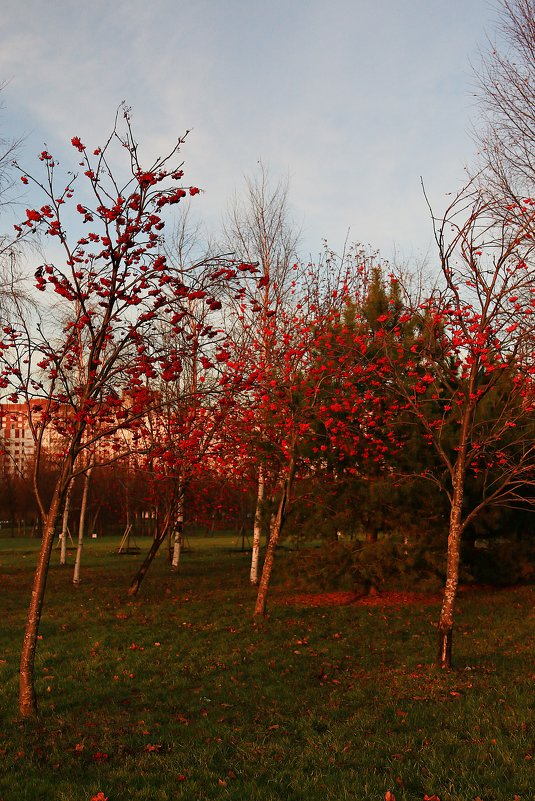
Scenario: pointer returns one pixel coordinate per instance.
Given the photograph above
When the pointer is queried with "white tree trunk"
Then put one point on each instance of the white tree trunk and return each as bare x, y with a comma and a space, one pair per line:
178, 535
81, 526
65, 526
257, 529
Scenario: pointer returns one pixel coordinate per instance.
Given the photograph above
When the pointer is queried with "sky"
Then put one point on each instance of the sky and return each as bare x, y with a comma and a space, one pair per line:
354, 101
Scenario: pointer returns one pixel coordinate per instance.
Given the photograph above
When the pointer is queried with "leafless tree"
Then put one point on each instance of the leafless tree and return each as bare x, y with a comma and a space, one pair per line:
506, 94
259, 228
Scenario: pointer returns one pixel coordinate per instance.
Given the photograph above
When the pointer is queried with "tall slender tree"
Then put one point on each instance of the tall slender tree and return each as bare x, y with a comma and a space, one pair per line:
91, 374
506, 94
467, 381
259, 229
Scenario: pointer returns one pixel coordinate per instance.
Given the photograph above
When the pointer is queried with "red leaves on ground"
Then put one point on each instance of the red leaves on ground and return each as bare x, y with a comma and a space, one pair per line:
345, 598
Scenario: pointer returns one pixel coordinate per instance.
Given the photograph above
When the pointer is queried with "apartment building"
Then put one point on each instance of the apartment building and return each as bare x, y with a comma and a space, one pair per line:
17, 445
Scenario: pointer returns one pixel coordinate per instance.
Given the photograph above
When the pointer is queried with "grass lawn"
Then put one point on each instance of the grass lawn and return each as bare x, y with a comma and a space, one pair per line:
176, 695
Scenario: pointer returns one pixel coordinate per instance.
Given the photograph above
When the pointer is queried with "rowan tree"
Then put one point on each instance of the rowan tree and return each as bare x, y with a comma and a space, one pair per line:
91, 372
193, 435
467, 379
317, 371
259, 229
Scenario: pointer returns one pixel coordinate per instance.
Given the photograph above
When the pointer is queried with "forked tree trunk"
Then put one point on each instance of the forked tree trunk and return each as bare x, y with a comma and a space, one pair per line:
27, 697
178, 536
81, 526
65, 525
257, 528
274, 534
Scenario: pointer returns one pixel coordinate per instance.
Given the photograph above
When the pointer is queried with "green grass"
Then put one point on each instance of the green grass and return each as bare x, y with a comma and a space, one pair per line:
176, 695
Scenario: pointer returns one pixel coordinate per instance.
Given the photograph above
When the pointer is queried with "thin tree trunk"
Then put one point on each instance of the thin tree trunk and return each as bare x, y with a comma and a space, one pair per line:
65, 525
257, 528
159, 537
452, 572
81, 526
27, 697
445, 626
178, 535
92, 527
274, 534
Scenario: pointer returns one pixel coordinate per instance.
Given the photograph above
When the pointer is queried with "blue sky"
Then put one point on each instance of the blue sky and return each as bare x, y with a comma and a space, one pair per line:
353, 100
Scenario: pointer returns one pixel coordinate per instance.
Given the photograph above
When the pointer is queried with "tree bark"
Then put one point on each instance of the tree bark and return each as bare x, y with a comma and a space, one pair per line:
65, 525
452, 573
27, 696
257, 528
444, 656
153, 550
81, 526
274, 534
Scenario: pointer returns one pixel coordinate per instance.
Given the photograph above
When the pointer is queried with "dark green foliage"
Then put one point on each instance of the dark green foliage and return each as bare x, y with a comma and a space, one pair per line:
501, 561
392, 562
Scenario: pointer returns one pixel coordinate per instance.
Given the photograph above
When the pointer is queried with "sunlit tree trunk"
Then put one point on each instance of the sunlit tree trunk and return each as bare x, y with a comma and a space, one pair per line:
257, 529
65, 526
274, 535
81, 526
452, 570
27, 696
445, 627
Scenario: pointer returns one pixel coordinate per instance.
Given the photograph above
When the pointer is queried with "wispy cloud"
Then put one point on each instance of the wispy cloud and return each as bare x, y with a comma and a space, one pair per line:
354, 100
